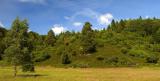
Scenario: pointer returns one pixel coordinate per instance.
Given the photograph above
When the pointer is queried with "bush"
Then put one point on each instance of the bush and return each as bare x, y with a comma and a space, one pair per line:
65, 59
137, 53
120, 61
28, 67
124, 50
42, 57
112, 60
125, 61
152, 59
100, 58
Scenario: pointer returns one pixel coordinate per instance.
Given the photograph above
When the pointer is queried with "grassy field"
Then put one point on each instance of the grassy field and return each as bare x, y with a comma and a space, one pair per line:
86, 74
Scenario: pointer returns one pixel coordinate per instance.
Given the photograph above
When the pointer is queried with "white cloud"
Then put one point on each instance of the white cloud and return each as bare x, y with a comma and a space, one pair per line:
1, 25
57, 29
147, 17
77, 23
101, 19
34, 1
105, 19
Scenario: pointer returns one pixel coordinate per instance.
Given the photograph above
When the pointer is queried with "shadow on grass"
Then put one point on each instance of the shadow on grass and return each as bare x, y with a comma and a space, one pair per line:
30, 75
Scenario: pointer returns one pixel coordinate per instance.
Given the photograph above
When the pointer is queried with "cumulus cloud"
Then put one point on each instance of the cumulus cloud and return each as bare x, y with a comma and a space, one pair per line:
57, 29
77, 24
34, 1
1, 25
105, 19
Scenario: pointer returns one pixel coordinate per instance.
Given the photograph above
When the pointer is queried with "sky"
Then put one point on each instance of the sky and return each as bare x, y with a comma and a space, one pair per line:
70, 15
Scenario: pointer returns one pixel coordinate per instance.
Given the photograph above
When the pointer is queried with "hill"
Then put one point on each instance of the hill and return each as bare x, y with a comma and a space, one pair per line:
133, 42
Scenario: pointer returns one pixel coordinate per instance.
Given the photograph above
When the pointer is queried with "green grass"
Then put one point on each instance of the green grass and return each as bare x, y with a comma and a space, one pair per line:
86, 74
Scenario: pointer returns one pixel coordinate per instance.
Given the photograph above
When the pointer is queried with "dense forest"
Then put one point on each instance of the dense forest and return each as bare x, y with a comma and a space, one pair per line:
131, 42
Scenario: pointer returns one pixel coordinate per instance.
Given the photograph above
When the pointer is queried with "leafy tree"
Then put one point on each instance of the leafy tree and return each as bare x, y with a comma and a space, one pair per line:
18, 37
87, 39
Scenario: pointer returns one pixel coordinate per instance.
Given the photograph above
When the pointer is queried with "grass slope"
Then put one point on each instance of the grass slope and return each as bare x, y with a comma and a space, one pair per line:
91, 60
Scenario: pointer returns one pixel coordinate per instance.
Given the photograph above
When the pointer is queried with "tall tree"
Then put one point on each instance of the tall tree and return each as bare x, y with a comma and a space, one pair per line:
18, 37
50, 38
87, 39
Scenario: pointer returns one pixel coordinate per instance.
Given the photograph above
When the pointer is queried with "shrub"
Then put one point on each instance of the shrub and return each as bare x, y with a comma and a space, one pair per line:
137, 53
65, 59
120, 61
28, 67
42, 57
112, 60
100, 58
124, 50
125, 61
152, 59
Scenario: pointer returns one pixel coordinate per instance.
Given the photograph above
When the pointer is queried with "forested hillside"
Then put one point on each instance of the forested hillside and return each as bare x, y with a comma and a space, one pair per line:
132, 42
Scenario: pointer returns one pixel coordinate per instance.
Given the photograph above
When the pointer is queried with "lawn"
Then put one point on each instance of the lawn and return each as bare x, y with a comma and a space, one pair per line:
86, 74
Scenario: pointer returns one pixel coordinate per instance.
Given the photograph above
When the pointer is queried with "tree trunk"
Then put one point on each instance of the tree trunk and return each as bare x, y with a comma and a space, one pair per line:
15, 70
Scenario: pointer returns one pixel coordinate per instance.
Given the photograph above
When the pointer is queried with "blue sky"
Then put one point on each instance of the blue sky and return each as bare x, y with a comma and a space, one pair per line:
62, 15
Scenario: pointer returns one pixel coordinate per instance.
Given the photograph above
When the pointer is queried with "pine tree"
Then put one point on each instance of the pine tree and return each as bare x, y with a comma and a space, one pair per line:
50, 38
87, 39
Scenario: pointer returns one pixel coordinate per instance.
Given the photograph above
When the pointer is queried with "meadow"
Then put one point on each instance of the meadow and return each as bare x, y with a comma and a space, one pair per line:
83, 74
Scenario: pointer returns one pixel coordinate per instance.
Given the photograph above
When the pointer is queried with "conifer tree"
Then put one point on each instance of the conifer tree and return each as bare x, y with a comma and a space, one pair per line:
50, 38
87, 39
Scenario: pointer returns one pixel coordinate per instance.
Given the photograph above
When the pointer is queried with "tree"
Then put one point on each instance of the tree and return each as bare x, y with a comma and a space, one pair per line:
50, 38
87, 39
18, 47
113, 25
13, 56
